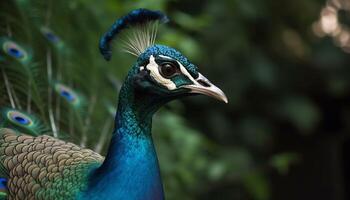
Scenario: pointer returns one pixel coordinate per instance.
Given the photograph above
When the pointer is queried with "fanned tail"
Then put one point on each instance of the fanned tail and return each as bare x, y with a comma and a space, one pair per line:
45, 89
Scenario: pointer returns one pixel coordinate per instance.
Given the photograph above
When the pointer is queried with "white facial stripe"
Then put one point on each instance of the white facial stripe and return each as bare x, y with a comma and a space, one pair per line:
186, 73
183, 70
154, 72
165, 57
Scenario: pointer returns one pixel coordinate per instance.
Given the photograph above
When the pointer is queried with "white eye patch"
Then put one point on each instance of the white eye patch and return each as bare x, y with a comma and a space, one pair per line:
182, 69
154, 72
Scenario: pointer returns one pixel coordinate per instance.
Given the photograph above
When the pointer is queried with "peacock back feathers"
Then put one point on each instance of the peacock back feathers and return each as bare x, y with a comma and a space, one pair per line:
44, 167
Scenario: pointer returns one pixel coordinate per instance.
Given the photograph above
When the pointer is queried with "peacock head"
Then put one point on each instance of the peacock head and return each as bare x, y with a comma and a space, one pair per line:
166, 72
160, 70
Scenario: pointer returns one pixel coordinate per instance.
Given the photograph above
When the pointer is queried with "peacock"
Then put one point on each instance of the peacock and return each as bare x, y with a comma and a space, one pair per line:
36, 162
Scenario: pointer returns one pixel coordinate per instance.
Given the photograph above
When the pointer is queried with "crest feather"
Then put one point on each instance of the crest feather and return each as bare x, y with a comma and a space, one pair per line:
144, 25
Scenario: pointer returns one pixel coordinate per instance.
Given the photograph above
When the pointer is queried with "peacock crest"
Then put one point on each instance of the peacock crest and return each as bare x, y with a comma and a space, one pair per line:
142, 33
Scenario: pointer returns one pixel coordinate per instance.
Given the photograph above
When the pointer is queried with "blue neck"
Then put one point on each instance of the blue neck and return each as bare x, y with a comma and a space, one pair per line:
130, 170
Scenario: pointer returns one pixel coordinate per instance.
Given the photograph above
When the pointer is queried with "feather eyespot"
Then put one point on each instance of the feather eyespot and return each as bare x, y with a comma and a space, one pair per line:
19, 118
73, 97
14, 50
50, 35
67, 93
21, 121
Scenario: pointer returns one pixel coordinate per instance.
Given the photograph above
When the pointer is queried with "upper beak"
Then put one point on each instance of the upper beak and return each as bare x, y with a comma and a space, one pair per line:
203, 86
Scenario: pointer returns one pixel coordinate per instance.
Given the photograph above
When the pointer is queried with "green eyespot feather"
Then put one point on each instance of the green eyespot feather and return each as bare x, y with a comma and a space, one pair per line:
14, 50
69, 95
51, 36
21, 121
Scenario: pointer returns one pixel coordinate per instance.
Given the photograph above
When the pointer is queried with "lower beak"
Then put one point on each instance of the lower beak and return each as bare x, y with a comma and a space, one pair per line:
203, 86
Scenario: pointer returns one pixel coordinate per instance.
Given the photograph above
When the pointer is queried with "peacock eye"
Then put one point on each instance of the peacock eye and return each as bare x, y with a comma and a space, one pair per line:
19, 118
168, 70
67, 95
50, 35
14, 50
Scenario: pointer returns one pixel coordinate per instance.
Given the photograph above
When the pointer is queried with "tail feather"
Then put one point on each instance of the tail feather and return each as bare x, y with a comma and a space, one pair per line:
22, 122
47, 90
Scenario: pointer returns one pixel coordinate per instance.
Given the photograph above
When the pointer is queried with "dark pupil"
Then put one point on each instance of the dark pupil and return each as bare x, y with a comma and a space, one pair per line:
15, 52
67, 95
21, 120
51, 37
3, 183
168, 69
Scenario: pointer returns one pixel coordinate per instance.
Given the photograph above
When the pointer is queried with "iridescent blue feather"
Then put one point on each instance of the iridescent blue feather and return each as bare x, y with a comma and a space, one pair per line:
3, 188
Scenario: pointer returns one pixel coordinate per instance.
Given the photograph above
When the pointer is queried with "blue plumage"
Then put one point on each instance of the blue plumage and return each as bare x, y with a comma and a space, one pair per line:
135, 17
3, 182
21, 120
3, 188
67, 95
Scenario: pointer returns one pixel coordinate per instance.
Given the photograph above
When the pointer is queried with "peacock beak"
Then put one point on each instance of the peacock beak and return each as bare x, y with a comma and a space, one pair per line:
203, 86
